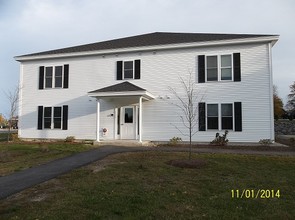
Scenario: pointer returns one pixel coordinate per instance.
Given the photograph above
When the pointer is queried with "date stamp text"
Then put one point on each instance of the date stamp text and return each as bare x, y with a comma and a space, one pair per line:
255, 193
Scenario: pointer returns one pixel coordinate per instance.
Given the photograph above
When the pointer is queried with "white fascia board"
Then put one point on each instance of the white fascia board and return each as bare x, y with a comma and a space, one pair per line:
121, 94
272, 39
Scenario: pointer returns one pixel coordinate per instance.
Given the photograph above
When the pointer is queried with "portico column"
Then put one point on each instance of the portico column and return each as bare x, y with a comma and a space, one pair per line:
140, 119
97, 119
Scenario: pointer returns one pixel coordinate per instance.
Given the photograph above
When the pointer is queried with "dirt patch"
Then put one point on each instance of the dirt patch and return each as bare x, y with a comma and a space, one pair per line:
185, 163
102, 164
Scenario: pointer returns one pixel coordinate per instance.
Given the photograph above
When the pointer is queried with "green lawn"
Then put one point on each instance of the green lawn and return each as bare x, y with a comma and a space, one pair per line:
19, 156
143, 186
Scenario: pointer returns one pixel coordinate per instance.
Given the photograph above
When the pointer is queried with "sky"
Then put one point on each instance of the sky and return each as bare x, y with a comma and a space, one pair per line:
29, 26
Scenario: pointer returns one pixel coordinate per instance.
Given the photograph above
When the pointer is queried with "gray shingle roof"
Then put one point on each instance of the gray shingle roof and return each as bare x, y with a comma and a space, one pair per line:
121, 87
151, 39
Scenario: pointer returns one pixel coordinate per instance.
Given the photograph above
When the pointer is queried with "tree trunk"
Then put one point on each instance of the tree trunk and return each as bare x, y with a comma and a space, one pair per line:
9, 130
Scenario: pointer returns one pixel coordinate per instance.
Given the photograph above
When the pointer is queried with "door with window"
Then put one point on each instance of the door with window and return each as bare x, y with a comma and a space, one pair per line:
128, 123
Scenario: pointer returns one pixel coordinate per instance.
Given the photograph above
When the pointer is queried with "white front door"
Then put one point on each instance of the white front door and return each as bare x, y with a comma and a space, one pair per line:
128, 123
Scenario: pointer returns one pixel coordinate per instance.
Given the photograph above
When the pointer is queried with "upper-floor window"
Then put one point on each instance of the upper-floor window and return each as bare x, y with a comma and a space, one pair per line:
224, 67
219, 68
54, 77
128, 69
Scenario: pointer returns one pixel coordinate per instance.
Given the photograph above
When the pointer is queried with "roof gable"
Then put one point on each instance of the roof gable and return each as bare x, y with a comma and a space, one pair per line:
121, 87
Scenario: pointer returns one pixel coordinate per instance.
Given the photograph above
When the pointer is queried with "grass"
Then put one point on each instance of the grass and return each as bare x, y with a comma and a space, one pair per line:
3, 137
143, 186
19, 156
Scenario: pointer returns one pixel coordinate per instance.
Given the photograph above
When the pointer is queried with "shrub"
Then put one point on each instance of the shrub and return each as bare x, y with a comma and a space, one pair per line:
70, 139
220, 140
265, 142
14, 137
174, 140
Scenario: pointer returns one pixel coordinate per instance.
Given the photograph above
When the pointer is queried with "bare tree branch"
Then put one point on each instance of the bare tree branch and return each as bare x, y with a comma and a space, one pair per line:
13, 98
188, 100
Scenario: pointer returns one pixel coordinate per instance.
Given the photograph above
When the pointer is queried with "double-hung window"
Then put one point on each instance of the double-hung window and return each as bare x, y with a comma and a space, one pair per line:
128, 70
48, 77
226, 71
223, 67
58, 77
226, 116
53, 117
47, 117
219, 68
57, 117
212, 116
220, 116
54, 77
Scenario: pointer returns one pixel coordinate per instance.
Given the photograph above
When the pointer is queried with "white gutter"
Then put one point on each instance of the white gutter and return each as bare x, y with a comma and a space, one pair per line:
272, 39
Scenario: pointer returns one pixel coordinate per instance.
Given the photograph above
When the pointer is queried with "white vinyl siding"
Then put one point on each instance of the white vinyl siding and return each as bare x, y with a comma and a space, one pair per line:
159, 70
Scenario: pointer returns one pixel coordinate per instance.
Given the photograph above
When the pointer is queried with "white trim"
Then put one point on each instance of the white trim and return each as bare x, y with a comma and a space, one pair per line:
97, 119
272, 135
140, 119
271, 39
20, 103
145, 94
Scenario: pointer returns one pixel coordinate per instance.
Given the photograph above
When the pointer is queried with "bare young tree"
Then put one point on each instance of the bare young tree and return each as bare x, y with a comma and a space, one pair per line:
188, 97
13, 98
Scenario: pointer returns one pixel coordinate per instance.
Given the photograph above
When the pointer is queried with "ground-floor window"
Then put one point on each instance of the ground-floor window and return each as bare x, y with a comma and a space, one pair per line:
220, 116
55, 117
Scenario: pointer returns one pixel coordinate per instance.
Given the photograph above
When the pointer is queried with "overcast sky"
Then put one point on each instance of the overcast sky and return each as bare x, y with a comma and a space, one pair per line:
29, 26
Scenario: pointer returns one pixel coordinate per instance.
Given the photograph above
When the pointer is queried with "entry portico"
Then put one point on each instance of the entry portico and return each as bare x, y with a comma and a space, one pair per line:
127, 117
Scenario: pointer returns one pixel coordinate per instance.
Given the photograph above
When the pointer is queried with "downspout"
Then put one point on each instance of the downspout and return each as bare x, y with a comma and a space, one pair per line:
272, 135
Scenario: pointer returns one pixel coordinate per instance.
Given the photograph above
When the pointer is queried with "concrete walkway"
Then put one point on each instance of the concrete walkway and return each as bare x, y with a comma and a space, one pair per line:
21, 180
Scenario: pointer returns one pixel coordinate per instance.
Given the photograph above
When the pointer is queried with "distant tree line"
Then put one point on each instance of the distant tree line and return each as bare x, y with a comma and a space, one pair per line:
287, 112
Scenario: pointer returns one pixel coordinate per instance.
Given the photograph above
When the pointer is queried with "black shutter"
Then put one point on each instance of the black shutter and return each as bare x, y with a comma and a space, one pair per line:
40, 118
238, 116
65, 117
41, 77
201, 68
66, 76
202, 116
237, 67
137, 69
119, 70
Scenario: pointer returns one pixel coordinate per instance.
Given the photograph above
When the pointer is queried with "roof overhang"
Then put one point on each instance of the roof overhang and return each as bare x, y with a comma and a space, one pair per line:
144, 94
266, 39
123, 89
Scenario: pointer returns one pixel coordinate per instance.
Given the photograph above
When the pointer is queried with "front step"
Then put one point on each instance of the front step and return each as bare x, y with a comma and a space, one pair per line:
124, 143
